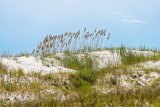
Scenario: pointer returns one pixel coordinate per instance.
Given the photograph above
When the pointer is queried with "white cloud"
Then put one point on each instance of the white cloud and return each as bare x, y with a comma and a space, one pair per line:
134, 21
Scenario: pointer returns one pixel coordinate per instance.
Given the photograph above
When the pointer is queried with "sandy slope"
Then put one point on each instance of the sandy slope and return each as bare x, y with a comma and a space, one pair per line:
103, 58
152, 64
29, 64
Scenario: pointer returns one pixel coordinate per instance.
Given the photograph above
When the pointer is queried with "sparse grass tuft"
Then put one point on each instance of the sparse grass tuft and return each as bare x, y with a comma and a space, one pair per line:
129, 57
22, 54
3, 69
82, 83
72, 61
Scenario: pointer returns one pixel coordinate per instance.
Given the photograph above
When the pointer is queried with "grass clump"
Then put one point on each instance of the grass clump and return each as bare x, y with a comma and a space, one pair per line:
20, 73
26, 54
85, 75
72, 61
3, 69
129, 57
83, 82
9, 86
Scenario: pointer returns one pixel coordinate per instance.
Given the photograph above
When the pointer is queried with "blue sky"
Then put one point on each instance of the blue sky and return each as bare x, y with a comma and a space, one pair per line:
24, 23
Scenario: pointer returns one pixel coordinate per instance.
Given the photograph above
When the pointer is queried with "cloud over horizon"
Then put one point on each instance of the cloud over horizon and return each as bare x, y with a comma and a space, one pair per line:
138, 21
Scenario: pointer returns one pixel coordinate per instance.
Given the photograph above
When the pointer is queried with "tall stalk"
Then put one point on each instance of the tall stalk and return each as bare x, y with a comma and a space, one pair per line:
73, 41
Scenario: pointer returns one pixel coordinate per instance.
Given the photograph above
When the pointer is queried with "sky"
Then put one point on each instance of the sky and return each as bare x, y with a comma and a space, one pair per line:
24, 23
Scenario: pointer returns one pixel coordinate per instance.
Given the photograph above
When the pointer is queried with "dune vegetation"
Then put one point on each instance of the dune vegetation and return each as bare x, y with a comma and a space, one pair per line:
127, 83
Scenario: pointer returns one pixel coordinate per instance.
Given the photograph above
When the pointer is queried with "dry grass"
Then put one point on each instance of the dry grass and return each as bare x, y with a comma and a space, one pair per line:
78, 88
73, 42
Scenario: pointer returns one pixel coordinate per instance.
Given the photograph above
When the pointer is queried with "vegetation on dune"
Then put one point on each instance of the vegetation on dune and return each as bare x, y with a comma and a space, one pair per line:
129, 57
82, 40
86, 77
22, 54
82, 83
88, 86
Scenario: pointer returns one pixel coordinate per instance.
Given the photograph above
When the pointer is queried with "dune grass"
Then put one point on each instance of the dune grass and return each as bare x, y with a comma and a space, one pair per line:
77, 89
82, 83
129, 57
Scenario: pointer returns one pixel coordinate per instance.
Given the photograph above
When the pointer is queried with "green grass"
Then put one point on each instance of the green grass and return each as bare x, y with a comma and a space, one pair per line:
22, 54
72, 61
130, 58
82, 82
85, 75
123, 98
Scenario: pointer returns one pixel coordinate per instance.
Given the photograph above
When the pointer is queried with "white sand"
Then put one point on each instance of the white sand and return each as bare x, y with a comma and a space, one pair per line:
152, 64
106, 58
145, 53
103, 58
29, 64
